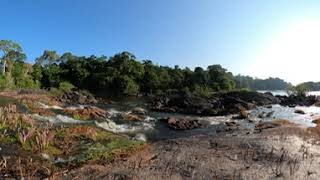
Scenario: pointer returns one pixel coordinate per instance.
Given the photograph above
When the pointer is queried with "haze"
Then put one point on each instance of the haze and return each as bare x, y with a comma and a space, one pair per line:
256, 38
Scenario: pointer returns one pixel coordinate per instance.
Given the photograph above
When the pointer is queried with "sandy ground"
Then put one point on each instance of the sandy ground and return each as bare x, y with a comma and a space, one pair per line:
286, 152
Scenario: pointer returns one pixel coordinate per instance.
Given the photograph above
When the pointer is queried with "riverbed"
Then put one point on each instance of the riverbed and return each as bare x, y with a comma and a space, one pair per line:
151, 128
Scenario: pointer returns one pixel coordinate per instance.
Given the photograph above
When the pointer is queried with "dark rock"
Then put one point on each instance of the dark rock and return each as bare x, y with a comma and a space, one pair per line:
231, 124
76, 97
139, 111
182, 124
293, 101
218, 104
265, 125
269, 106
316, 121
299, 111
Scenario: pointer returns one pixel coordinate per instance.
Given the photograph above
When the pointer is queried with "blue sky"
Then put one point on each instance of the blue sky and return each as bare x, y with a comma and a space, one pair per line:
239, 35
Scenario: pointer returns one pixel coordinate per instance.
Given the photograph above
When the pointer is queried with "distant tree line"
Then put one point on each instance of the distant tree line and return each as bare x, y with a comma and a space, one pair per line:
311, 86
121, 74
261, 84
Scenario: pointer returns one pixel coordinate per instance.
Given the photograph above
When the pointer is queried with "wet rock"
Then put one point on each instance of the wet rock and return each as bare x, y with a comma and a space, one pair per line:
243, 114
269, 114
89, 112
316, 121
132, 117
269, 106
231, 124
218, 104
293, 101
299, 111
77, 97
139, 111
183, 124
265, 114
273, 124
265, 125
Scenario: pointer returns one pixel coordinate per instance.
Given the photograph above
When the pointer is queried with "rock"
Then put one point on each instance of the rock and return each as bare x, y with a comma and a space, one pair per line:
269, 114
182, 124
76, 97
273, 124
132, 117
269, 106
293, 101
231, 124
139, 111
89, 112
218, 104
265, 125
299, 111
316, 121
140, 137
243, 114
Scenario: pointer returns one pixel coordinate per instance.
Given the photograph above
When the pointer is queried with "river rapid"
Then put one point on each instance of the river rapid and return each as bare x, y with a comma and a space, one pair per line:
151, 128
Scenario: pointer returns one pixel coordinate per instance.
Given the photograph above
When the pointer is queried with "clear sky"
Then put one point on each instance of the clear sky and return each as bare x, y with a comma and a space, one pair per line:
260, 38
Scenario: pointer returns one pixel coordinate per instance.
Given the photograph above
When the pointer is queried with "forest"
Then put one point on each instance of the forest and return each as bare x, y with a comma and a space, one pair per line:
121, 74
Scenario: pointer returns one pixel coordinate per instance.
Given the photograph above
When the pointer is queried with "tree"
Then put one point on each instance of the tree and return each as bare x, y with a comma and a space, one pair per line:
10, 50
48, 57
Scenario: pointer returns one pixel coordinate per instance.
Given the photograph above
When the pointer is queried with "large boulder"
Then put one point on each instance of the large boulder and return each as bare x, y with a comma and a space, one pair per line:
182, 124
89, 112
132, 117
293, 100
139, 111
77, 97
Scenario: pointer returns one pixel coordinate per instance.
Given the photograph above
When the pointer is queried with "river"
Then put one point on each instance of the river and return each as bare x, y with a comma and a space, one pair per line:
284, 93
152, 129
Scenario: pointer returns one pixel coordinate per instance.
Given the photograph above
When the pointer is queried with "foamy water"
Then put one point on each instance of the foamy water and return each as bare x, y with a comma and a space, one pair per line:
284, 93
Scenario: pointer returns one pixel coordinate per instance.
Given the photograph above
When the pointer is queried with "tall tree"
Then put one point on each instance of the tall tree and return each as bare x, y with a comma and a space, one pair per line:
9, 50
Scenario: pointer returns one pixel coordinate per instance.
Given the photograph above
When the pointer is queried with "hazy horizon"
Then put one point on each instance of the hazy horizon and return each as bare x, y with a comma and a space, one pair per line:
256, 38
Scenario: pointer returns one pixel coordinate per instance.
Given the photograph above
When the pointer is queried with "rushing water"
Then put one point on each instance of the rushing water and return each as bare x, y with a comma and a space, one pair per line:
284, 93
152, 129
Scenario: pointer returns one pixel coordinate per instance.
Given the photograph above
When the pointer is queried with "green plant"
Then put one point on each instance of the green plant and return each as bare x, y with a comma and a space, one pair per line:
299, 90
202, 90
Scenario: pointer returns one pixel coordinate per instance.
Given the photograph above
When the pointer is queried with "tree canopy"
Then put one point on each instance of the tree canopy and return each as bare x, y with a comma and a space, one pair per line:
121, 74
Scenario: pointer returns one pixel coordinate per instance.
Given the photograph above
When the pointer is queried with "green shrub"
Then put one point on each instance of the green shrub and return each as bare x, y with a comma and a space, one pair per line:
66, 86
202, 90
299, 90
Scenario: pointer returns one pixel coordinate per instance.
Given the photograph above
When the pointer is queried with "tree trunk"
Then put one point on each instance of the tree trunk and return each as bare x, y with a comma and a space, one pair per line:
4, 66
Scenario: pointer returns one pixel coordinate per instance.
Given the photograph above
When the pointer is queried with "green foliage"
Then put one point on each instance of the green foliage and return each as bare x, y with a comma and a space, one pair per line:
260, 84
121, 74
64, 87
311, 86
299, 90
203, 90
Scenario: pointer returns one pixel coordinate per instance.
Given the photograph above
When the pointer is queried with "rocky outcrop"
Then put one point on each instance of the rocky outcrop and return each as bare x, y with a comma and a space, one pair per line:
293, 101
89, 112
139, 111
219, 104
182, 124
76, 97
132, 117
